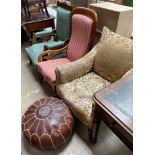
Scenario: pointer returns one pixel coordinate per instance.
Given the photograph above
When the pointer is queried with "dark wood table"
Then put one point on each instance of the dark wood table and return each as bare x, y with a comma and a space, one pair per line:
38, 22
114, 106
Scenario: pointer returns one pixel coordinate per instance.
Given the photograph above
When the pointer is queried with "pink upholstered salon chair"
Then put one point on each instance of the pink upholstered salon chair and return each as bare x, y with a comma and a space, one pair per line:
82, 32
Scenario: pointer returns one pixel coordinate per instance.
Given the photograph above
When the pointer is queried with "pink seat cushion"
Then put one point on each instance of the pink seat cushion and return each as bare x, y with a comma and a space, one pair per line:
47, 68
79, 41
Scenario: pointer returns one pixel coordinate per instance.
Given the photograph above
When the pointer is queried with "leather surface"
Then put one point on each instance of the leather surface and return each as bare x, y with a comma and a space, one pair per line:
48, 123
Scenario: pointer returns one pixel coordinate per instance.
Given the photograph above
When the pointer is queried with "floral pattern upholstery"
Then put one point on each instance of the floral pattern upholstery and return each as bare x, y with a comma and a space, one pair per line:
114, 55
78, 68
79, 80
78, 95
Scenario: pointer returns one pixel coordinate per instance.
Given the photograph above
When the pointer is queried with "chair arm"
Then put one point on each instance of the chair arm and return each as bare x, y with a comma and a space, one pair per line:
68, 72
57, 47
49, 54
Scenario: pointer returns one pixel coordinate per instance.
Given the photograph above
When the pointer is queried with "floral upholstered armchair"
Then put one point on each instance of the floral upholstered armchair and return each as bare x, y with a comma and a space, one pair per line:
107, 62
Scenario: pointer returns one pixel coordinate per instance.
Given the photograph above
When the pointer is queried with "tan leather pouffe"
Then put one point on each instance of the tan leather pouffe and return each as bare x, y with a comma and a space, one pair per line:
48, 123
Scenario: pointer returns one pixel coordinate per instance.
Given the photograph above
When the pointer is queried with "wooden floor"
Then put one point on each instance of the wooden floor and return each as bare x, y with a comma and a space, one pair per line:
108, 143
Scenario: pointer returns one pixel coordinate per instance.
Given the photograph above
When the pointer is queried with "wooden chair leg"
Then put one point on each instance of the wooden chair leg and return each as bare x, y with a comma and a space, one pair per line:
41, 79
96, 126
34, 40
90, 134
40, 5
44, 5
30, 61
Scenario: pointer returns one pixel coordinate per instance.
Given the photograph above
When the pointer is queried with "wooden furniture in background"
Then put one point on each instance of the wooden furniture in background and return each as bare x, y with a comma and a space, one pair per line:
41, 5
114, 1
114, 107
118, 18
38, 22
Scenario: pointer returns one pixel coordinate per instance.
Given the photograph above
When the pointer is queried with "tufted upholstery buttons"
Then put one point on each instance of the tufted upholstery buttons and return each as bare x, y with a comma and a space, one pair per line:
48, 123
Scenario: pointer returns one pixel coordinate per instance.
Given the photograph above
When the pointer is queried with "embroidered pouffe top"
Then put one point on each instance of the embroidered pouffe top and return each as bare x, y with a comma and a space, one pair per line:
48, 123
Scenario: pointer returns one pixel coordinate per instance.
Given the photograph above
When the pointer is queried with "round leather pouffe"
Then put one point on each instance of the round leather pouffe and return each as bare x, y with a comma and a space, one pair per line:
48, 123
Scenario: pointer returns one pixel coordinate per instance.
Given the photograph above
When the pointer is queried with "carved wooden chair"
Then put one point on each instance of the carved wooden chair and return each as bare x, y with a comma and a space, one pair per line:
83, 28
47, 33
61, 34
77, 81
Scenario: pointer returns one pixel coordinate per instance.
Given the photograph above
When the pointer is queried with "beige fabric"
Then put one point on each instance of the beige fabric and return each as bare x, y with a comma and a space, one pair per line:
129, 72
114, 55
78, 95
78, 68
111, 58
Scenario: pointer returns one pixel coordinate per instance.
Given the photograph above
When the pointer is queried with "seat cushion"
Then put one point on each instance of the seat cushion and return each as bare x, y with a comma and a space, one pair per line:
47, 68
34, 50
45, 32
78, 95
114, 56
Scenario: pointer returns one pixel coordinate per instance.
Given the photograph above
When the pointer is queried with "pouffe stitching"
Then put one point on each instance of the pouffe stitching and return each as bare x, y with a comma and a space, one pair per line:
41, 121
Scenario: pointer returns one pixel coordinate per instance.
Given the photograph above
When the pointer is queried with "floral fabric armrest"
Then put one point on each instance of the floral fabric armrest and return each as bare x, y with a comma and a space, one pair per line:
68, 72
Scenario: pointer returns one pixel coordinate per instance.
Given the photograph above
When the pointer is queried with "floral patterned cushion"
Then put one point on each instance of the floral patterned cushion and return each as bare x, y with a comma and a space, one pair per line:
114, 55
68, 72
78, 95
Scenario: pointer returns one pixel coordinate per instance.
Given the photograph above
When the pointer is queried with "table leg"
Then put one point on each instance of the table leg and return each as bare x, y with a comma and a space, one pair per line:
96, 126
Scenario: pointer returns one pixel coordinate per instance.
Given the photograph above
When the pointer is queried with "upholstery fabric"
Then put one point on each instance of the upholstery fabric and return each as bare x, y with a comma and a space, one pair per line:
78, 95
128, 72
47, 68
78, 68
45, 32
63, 32
34, 50
77, 81
48, 123
63, 23
114, 55
81, 31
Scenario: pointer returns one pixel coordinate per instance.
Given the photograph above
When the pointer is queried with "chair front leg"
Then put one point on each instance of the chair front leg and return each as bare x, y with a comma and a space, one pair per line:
30, 61
95, 129
90, 135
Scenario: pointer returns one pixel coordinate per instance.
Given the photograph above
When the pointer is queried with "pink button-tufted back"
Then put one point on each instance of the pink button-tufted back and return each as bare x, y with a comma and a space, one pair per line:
79, 41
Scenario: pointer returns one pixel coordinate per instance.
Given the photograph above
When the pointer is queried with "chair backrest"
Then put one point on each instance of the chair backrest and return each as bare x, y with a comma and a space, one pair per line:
63, 23
83, 28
